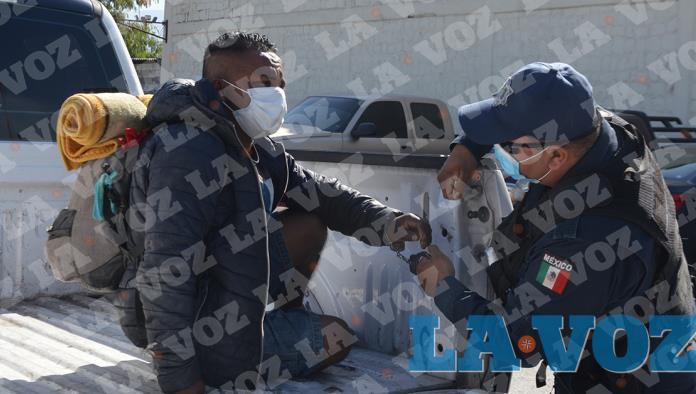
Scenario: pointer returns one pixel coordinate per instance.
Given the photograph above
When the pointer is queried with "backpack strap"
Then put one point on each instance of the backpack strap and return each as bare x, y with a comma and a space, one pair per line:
103, 193
107, 194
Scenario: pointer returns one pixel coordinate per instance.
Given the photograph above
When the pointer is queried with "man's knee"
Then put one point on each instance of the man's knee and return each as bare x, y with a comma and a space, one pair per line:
316, 231
307, 227
305, 236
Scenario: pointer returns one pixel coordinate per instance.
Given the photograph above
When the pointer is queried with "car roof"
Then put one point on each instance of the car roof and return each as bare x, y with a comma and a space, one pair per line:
78, 6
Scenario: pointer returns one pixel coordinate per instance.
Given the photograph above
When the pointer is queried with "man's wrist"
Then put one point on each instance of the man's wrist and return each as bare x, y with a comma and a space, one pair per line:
389, 220
477, 150
448, 292
443, 284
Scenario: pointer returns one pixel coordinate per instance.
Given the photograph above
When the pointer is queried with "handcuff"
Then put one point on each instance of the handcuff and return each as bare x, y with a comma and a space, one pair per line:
413, 260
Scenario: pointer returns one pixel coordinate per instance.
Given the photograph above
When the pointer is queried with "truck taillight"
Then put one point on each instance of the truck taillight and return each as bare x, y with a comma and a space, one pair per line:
678, 202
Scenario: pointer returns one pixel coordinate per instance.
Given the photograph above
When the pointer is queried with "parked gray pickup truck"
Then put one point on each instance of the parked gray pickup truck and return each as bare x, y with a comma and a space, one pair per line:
396, 124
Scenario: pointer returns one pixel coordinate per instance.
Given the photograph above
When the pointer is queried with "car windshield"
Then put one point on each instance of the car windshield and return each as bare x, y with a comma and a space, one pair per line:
675, 155
325, 113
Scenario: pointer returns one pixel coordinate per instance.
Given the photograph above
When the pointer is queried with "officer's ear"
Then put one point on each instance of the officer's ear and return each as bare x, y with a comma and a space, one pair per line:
218, 84
559, 157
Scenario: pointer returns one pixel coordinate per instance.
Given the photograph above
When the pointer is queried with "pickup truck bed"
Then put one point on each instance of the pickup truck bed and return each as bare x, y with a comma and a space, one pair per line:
74, 345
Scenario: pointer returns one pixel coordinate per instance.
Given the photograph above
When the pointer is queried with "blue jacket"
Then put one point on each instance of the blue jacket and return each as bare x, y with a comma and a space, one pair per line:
196, 207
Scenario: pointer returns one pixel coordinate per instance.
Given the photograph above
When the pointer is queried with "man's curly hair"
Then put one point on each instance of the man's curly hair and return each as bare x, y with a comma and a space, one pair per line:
237, 42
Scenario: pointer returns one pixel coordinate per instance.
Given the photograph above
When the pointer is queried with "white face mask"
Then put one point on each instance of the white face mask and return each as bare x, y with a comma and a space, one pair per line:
265, 112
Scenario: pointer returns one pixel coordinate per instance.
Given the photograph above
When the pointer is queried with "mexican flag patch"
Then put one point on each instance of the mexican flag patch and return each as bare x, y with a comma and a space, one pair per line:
554, 273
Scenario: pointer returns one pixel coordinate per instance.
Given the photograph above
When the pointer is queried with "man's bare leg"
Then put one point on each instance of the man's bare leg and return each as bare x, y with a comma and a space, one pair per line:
305, 236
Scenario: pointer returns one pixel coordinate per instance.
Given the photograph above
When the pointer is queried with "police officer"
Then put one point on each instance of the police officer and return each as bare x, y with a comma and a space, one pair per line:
595, 233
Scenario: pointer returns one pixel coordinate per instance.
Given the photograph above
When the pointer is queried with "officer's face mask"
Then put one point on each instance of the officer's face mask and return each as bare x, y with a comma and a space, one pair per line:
265, 112
512, 167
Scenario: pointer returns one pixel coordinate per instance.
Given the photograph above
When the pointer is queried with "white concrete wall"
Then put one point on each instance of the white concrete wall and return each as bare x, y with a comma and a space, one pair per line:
639, 55
148, 74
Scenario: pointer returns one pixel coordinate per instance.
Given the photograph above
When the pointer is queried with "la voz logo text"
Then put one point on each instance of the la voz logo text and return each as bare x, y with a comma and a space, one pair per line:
489, 335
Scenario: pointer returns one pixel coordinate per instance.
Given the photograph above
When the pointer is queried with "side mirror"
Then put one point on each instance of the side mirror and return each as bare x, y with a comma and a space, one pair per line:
367, 129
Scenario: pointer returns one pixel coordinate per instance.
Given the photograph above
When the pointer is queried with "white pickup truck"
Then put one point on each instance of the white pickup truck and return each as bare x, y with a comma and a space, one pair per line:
55, 337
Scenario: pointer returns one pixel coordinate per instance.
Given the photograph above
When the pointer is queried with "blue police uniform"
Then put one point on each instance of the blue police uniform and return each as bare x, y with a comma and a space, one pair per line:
590, 286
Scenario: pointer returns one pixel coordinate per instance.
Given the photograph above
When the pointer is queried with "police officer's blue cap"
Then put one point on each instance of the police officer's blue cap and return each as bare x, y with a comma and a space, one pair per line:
549, 101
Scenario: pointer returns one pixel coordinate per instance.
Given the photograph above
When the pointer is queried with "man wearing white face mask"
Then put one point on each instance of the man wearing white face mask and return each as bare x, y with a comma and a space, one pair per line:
595, 232
234, 224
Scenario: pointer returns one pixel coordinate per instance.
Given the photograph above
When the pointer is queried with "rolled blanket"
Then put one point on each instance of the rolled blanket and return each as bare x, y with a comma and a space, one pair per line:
89, 125
145, 99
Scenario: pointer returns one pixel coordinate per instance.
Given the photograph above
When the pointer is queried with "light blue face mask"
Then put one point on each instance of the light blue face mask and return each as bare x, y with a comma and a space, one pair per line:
512, 167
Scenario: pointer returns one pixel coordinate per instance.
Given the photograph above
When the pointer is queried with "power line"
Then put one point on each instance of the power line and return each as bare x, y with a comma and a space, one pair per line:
163, 23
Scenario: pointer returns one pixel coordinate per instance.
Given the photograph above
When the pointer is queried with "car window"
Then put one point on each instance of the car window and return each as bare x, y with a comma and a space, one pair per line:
50, 57
325, 113
427, 121
671, 155
389, 118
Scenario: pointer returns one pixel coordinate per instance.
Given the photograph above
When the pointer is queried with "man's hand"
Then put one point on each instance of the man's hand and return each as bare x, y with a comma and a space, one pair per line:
408, 227
432, 271
456, 171
196, 388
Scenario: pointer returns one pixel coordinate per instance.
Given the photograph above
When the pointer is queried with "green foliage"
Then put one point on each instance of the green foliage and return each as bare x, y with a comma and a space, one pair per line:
139, 44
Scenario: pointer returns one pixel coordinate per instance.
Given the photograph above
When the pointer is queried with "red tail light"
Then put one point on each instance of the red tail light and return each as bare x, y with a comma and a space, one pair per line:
678, 202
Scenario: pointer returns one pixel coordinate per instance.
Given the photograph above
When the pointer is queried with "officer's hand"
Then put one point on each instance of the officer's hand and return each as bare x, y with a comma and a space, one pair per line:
456, 171
408, 227
432, 271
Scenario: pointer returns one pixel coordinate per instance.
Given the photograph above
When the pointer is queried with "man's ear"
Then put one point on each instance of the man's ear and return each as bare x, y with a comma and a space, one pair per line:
559, 157
217, 84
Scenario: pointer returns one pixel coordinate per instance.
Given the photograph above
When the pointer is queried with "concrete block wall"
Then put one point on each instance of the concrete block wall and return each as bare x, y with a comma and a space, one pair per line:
639, 54
148, 71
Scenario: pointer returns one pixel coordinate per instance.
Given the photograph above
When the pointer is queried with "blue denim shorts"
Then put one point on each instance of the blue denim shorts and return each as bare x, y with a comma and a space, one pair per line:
289, 333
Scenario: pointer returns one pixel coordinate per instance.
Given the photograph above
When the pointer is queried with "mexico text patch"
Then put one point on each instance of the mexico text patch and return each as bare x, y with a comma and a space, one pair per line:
554, 273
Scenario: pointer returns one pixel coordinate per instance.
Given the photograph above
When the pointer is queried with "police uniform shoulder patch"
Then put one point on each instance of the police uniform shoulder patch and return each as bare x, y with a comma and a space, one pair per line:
554, 272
